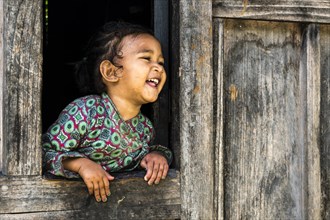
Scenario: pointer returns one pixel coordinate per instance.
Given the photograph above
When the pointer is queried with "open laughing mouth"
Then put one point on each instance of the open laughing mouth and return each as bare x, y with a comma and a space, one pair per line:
153, 82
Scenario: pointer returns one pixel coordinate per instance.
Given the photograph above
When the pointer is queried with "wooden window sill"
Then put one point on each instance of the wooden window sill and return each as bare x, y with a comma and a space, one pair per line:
131, 198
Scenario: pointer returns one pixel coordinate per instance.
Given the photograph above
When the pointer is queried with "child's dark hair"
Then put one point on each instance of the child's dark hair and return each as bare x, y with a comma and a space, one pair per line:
104, 45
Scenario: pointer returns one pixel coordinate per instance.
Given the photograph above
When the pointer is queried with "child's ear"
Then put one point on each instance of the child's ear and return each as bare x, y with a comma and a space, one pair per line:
107, 70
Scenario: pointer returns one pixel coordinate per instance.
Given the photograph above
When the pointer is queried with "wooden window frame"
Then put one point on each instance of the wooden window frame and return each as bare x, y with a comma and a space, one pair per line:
23, 190
1, 86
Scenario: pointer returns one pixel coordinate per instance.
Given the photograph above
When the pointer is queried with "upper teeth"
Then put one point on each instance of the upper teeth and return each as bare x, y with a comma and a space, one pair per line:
156, 81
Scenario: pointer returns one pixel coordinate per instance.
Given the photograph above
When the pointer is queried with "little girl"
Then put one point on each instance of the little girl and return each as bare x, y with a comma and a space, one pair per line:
106, 132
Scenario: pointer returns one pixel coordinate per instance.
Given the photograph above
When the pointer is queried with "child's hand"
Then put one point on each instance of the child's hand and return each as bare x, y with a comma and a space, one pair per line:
94, 176
96, 180
156, 166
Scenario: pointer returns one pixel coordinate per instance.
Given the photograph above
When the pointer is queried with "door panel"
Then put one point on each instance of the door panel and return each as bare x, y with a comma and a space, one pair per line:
268, 89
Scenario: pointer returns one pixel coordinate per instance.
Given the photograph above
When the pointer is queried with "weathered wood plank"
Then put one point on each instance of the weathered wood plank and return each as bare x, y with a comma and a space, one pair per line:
151, 212
2, 69
58, 215
282, 10
267, 117
22, 87
310, 105
34, 194
131, 198
196, 109
325, 119
218, 117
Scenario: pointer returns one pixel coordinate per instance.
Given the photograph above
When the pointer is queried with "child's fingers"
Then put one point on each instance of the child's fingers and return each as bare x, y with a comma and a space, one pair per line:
106, 186
109, 177
97, 191
154, 174
159, 174
165, 171
90, 187
102, 190
150, 167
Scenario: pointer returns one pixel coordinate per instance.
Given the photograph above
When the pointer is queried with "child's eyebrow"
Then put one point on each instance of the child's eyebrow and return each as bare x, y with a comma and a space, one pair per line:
148, 51
145, 51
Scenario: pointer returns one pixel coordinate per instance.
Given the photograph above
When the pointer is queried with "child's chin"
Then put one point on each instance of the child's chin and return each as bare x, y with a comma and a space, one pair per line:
151, 100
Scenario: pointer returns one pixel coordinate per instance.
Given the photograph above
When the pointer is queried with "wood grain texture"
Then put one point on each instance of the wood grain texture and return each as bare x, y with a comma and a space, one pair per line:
218, 95
281, 10
52, 199
271, 99
196, 109
22, 87
310, 69
325, 119
2, 70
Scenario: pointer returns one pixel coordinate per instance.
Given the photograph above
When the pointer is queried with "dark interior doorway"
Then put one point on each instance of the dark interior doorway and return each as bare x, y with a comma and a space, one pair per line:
67, 29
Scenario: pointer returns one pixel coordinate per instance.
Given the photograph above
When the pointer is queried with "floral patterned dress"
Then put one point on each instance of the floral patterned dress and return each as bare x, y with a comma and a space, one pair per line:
91, 127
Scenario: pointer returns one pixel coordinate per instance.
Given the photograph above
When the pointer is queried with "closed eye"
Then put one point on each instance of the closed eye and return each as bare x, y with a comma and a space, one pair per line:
149, 59
146, 58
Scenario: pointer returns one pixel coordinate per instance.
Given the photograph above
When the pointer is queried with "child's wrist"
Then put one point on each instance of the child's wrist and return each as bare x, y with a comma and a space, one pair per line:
74, 164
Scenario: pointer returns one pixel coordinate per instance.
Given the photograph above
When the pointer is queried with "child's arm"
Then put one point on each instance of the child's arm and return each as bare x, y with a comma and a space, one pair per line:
94, 176
156, 166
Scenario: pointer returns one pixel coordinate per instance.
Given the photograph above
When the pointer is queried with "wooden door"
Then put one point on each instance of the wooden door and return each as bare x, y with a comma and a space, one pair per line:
271, 80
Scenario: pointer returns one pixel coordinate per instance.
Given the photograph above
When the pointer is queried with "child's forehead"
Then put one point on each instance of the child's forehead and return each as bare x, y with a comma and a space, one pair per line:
142, 42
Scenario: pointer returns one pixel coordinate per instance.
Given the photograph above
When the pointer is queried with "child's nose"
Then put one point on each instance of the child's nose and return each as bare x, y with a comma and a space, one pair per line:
158, 67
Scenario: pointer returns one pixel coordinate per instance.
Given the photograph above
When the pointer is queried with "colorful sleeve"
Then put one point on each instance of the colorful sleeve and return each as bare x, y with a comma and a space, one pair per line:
167, 153
62, 139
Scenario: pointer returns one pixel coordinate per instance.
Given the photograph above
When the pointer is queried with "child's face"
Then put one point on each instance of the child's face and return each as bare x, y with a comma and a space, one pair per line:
143, 75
